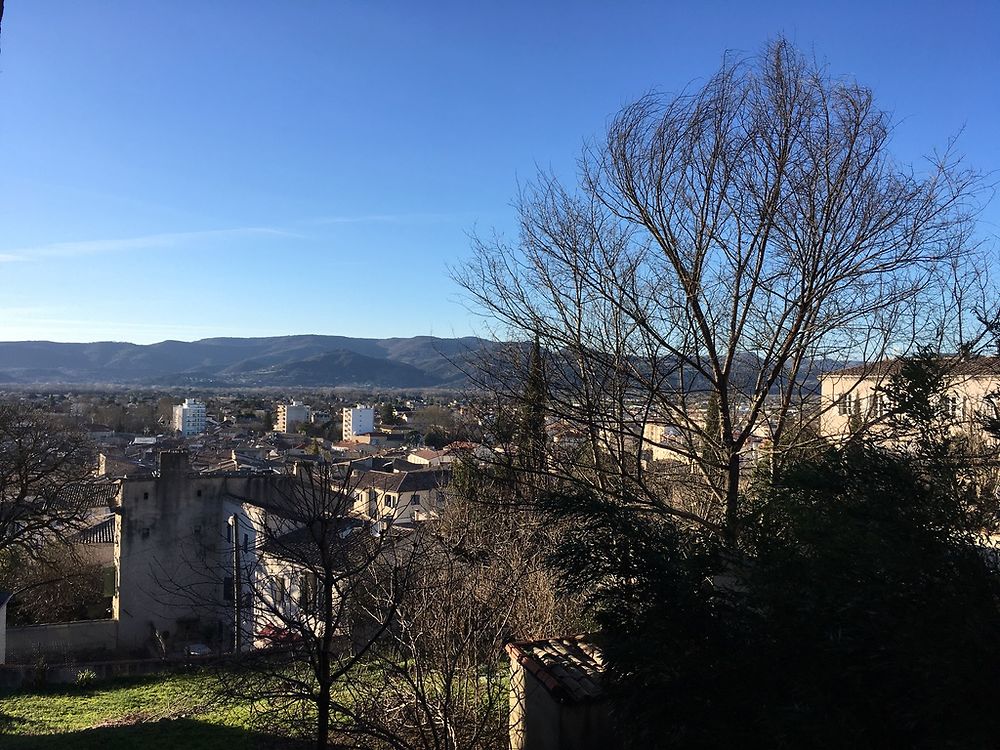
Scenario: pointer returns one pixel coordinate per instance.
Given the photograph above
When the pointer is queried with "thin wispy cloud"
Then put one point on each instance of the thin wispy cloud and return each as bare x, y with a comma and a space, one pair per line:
411, 218
20, 312
164, 240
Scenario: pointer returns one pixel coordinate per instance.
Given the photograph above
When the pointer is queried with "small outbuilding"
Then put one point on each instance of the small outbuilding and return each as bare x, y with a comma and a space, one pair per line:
556, 697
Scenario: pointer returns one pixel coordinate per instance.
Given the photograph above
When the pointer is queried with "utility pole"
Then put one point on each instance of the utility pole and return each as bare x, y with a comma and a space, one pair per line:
234, 522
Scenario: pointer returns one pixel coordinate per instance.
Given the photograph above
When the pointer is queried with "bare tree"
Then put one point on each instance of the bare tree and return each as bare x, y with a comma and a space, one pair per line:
59, 587
726, 243
47, 494
46, 487
439, 680
363, 633
296, 595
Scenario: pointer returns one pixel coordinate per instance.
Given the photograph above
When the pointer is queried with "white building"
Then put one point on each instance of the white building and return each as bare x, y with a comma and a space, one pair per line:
428, 457
401, 497
189, 417
856, 396
358, 421
290, 416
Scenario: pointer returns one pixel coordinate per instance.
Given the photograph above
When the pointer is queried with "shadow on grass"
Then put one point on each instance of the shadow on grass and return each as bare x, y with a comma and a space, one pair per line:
10, 723
174, 734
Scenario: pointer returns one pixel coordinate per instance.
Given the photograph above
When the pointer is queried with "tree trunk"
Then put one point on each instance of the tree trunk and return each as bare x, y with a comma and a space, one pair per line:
732, 499
323, 706
323, 699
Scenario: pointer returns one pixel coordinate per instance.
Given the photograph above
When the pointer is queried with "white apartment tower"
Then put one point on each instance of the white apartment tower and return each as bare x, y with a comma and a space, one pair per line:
290, 416
358, 421
189, 417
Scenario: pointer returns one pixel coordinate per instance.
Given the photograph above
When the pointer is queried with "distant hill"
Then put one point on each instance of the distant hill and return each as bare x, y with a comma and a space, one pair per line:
309, 360
284, 361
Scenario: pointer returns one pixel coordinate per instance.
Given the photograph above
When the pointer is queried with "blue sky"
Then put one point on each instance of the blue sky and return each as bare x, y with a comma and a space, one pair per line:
192, 169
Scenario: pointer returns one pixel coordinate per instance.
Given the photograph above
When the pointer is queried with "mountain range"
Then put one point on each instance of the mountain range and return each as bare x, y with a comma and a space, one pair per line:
308, 361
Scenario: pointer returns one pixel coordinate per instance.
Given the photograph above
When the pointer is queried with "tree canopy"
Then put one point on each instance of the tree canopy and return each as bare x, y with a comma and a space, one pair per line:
728, 243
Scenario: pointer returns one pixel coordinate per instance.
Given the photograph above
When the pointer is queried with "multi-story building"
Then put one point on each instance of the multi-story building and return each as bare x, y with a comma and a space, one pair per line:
858, 395
400, 497
358, 421
189, 417
291, 416
179, 536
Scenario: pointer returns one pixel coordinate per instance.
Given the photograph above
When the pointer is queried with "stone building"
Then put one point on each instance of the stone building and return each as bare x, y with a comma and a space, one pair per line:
174, 540
857, 394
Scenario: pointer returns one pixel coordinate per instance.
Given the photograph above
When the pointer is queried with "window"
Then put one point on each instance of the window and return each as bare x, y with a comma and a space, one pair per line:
415, 500
308, 591
844, 404
145, 533
390, 501
145, 496
227, 588
246, 542
878, 406
229, 533
949, 407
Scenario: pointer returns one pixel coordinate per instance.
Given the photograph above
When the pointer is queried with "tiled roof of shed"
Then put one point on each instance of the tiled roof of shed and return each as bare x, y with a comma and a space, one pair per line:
569, 668
94, 493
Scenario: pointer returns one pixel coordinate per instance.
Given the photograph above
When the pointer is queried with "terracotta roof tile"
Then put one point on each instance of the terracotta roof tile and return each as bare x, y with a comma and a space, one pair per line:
570, 668
100, 533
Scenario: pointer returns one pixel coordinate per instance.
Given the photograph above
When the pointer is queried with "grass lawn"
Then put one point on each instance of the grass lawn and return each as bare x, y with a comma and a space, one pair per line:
168, 712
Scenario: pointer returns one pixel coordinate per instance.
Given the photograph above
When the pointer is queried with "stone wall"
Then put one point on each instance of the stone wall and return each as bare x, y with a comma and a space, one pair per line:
61, 641
13, 676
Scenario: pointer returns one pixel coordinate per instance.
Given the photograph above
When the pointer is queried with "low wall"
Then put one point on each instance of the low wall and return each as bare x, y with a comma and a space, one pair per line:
61, 641
13, 676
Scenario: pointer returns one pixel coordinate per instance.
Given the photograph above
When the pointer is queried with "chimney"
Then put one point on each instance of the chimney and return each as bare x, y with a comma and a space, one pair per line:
173, 463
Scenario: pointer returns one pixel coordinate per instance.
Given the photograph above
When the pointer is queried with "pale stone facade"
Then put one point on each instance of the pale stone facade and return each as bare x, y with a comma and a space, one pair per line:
173, 545
857, 394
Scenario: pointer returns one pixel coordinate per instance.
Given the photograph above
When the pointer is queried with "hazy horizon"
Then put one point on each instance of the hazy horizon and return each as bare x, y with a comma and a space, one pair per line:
248, 337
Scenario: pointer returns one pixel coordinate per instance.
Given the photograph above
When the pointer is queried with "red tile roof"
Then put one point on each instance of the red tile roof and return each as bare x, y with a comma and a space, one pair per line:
569, 668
